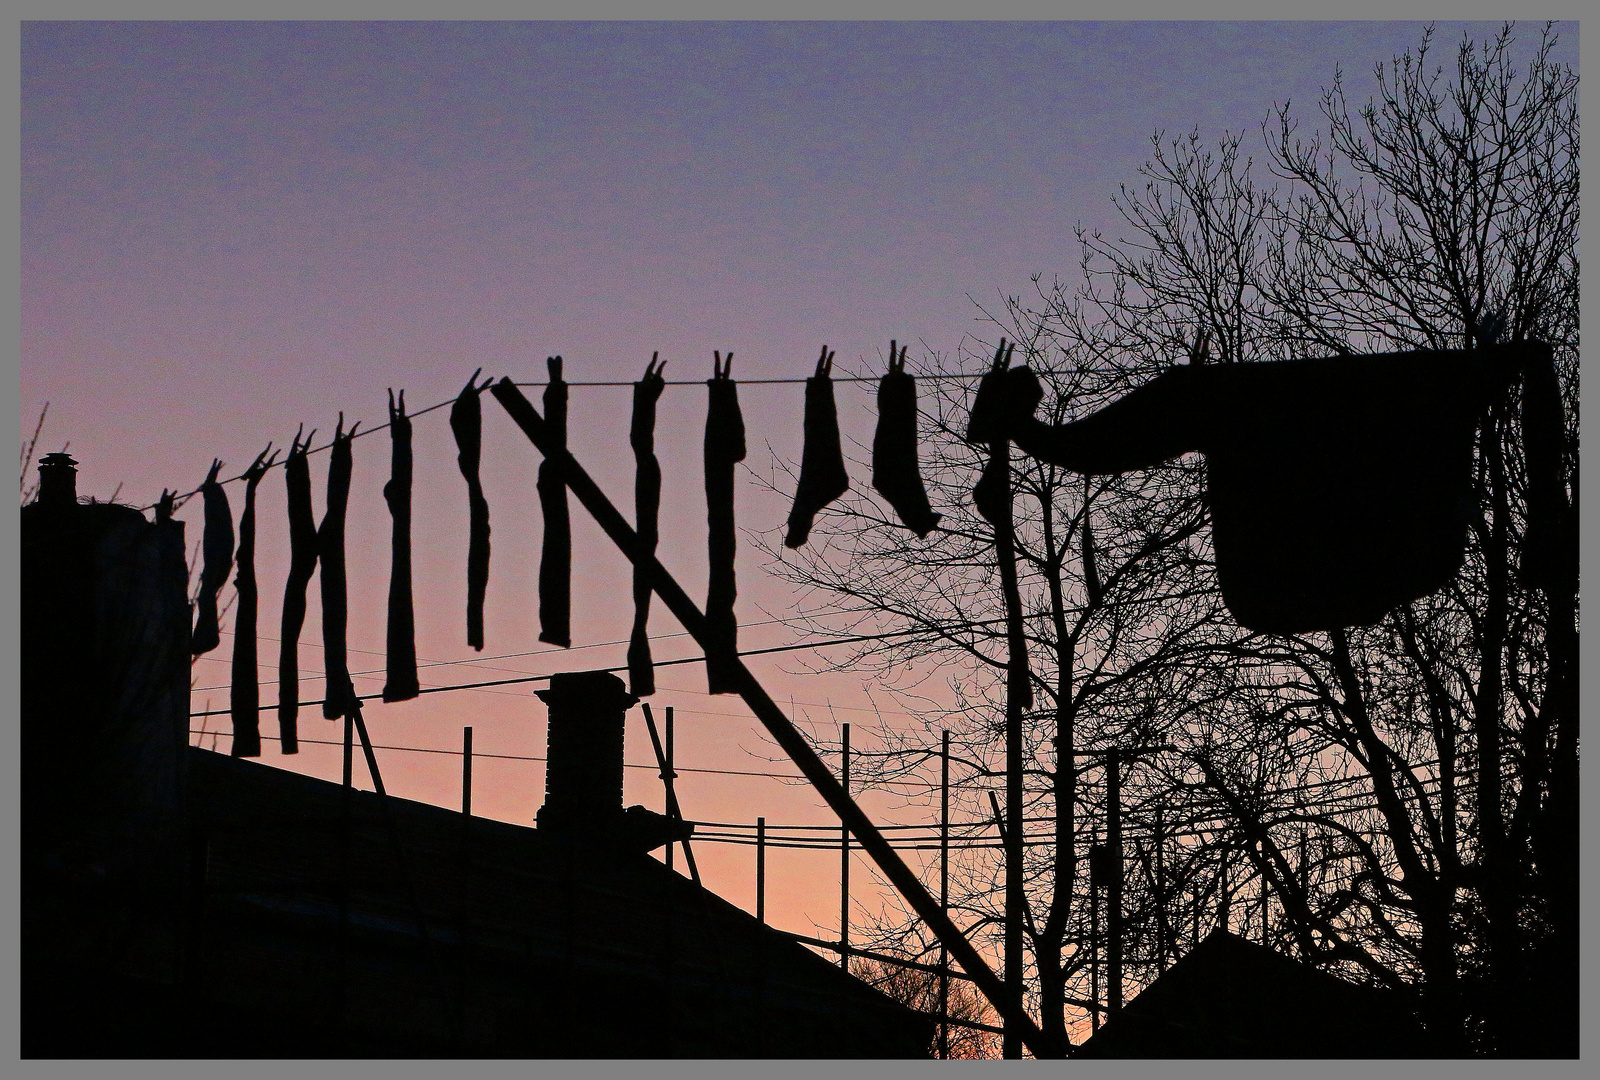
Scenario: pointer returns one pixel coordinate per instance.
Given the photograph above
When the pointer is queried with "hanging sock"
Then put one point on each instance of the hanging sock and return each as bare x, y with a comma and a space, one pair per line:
401, 643
218, 548
1091, 558
822, 475
466, 423
302, 564
992, 496
245, 693
555, 563
895, 472
724, 447
646, 509
340, 693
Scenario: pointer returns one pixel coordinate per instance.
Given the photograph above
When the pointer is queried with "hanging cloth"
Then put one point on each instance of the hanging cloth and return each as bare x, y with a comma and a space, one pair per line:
724, 447
401, 640
340, 693
466, 423
218, 548
555, 562
245, 693
1091, 556
895, 472
302, 564
992, 496
646, 509
822, 475
1335, 484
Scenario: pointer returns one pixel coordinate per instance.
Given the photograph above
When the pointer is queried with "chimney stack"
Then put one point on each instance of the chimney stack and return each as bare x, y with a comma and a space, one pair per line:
583, 773
58, 480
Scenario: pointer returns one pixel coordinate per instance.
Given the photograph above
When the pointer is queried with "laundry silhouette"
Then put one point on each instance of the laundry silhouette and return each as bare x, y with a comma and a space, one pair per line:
339, 696
217, 546
302, 564
466, 423
1091, 556
724, 448
646, 510
555, 560
992, 497
400, 651
1339, 487
895, 471
822, 475
244, 695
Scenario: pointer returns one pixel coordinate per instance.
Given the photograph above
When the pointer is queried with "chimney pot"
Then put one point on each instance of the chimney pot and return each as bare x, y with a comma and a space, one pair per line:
58, 480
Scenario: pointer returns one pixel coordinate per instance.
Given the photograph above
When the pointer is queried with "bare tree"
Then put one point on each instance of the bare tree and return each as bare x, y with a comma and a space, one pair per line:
1398, 801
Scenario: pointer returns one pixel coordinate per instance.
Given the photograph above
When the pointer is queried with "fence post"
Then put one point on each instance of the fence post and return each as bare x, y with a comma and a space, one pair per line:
466, 771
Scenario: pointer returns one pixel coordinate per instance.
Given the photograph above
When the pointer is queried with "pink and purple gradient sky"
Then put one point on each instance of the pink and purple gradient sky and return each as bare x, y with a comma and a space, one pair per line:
232, 228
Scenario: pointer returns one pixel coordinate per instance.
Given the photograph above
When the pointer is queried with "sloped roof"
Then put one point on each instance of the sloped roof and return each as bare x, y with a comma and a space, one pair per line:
1232, 998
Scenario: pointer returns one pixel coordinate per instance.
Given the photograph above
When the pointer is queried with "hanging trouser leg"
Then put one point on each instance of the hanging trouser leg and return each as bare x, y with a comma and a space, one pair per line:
400, 646
302, 564
245, 694
555, 561
217, 546
466, 422
646, 509
895, 472
340, 692
724, 448
822, 474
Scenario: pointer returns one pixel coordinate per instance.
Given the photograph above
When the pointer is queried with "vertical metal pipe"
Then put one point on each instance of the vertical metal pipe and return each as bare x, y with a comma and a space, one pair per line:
761, 870
668, 780
844, 858
1114, 886
466, 771
944, 892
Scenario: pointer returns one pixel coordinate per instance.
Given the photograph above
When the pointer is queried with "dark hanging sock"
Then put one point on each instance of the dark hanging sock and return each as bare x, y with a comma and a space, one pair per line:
339, 697
401, 644
646, 509
992, 496
245, 694
555, 562
1091, 557
302, 564
724, 447
822, 475
895, 472
466, 423
218, 549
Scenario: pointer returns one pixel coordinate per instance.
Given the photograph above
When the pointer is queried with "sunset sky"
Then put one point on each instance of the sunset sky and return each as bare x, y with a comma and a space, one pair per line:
228, 229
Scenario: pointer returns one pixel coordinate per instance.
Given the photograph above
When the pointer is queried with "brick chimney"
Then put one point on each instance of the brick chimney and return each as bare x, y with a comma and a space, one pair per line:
583, 773
583, 770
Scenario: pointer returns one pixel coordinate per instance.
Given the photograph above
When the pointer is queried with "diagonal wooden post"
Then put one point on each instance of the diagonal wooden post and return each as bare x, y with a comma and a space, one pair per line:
777, 724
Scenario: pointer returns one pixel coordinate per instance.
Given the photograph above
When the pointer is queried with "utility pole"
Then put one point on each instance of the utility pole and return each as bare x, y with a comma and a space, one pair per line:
844, 858
1114, 884
761, 870
944, 893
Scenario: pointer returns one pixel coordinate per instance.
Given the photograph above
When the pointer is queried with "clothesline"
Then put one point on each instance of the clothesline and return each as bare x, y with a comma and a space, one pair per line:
179, 500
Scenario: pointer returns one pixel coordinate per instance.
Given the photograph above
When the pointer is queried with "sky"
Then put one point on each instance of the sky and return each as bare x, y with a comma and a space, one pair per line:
231, 229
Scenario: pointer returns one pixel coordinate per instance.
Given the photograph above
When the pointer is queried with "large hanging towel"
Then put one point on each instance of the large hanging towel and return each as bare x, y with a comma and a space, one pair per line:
1335, 484
401, 641
646, 509
895, 472
724, 447
245, 694
340, 694
555, 563
822, 475
218, 549
302, 564
466, 423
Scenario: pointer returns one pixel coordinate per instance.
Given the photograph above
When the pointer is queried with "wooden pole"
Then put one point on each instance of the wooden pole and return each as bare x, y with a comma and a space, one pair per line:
761, 870
1114, 886
663, 760
466, 771
844, 857
773, 719
668, 772
944, 892
1159, 839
